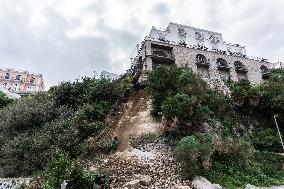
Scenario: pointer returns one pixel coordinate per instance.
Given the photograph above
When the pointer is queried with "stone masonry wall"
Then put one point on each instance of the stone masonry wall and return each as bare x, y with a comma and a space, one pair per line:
187, 56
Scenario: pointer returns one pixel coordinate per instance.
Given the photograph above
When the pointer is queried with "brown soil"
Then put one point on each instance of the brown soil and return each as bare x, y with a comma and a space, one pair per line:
137, 102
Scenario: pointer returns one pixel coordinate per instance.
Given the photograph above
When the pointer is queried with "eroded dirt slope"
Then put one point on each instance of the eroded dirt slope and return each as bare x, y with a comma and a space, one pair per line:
149, 165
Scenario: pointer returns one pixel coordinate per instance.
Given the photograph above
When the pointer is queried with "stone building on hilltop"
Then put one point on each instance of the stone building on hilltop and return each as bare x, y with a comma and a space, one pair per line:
21, 82
205, 52
108, 75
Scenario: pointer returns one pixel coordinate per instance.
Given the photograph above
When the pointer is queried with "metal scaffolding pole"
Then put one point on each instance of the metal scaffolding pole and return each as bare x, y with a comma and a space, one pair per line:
275, 116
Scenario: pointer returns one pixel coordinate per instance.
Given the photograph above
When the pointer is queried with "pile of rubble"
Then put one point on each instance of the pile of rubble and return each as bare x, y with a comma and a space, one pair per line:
149, 166
12, 183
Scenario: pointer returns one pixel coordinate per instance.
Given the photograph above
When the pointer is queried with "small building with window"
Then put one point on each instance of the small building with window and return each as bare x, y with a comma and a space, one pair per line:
21, 82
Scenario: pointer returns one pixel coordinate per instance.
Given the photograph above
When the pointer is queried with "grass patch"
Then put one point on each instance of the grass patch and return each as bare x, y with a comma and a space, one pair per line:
264, 170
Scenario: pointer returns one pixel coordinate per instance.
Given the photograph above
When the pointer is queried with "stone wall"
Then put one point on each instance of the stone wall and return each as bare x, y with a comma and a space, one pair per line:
187, 56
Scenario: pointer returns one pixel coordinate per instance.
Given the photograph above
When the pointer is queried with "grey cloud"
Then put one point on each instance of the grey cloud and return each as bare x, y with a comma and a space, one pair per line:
161, 9
47, 49
55, 55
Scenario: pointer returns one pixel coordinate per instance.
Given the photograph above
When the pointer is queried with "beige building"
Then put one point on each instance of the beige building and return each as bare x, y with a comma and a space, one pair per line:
203, 51
21, 82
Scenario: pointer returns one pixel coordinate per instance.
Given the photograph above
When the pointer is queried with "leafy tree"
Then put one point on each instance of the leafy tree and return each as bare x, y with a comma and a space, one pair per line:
178, 92
271, 93
4, 100
266, 98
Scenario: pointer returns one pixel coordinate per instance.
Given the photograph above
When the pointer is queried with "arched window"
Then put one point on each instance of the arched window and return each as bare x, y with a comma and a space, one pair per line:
263, 69
201, 59
238, 65
222, 65
222, 62
240, 68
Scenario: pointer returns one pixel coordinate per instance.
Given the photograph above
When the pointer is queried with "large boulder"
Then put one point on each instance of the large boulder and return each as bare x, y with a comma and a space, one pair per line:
180, 187
138, 181
203, 183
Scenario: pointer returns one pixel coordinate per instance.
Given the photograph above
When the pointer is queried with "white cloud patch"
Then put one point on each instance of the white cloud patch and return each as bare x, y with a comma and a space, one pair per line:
65, 39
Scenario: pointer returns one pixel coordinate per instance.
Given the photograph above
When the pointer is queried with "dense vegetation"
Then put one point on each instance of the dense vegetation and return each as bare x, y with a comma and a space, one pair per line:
4, 100
61, 167
229, 139
35, 129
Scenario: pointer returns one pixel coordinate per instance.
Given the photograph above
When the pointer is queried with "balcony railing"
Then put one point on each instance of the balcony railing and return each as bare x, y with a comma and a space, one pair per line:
202, 63
162, 53
223, 67
163, 56
241, 69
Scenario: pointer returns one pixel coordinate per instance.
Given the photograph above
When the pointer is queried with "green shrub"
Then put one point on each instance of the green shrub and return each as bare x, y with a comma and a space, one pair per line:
90, 91
219, 104
61, 168
271, 164
178, 106
266, 98
271, 93
202, 155
235, 163
28, 151
4, 100
27, 113
265, 169
177, 92
266, 140
160, 83
194, 155
34, 129
228, 149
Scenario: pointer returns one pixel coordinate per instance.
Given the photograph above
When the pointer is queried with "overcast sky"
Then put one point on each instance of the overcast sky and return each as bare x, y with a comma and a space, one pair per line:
67, 39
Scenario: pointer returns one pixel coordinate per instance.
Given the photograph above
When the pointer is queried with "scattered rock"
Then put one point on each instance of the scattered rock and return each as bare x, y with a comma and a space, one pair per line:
151, 166
132, 184
143, 179
203, 183
180, 187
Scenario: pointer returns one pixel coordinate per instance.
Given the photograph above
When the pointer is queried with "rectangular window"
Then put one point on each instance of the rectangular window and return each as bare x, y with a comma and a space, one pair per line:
18, 77
7, 76
32, 80
5, 85
15, 87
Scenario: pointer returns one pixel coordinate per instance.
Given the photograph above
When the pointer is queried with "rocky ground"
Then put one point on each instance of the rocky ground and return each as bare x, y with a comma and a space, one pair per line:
149, 166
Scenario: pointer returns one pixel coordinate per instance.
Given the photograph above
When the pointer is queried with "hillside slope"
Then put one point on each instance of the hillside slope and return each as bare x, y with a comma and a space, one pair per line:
147, 164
